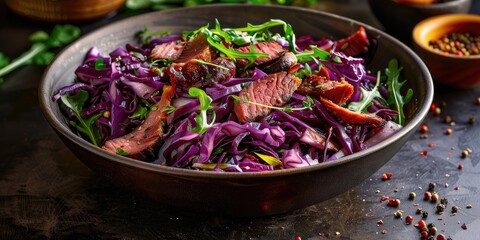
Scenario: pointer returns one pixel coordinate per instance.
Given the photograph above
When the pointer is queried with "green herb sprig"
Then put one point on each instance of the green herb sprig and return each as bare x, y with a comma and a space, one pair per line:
39, 53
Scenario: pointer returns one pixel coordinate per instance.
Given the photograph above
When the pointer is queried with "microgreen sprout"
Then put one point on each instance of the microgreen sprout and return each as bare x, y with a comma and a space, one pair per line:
201, 119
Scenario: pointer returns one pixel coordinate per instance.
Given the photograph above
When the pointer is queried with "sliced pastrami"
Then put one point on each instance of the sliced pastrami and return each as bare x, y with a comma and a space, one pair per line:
197, 48
271, 90
170, 51
273, 49
283, 63
336, 91
201, 74
351, 117
141, 142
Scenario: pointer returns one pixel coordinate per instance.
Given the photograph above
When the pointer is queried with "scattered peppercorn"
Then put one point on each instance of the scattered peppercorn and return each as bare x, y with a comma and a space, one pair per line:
419, 211
408, 219
464, 153
298, 238
472, 119
447, 119
424, 128
433, 230
424, 214
464, 226
383, 198
469, 206
460, 166
437, 111
427, 195
393, 202
440, 208
424, 153
444, 201
448, 131
478, 100
387, 176
434, 197
412, 195
454, 209
424, 234
421, 224
431, 186
441, 237
398, 214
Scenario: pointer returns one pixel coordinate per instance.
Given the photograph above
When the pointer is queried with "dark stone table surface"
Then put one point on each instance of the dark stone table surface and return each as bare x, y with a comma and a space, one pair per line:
46, 193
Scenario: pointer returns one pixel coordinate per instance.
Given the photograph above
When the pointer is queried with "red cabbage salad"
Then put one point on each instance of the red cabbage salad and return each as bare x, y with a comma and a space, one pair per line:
245, 99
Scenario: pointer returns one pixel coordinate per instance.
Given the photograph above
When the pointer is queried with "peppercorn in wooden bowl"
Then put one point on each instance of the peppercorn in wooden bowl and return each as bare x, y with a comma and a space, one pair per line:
450, 47
399, 17
238, 193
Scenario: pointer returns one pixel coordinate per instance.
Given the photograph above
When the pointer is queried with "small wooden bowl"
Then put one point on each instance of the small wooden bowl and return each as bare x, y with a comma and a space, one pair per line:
448, 69
64, 10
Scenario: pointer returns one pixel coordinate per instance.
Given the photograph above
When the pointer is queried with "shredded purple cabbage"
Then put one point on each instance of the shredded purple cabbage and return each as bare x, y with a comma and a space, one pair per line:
130, 84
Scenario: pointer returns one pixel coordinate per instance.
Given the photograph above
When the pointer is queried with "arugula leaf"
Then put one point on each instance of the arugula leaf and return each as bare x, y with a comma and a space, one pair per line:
202, 119
84, 126
394, 86
217, 43
140, 113
313, 55
367, 97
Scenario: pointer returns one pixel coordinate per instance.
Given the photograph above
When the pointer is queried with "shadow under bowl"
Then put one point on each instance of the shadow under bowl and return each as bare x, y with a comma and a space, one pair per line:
237, 194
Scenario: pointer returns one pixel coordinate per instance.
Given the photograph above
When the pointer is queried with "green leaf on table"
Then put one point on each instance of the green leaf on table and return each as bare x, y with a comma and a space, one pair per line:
38, 36
62, 35
4, 60
39, 51
43, 58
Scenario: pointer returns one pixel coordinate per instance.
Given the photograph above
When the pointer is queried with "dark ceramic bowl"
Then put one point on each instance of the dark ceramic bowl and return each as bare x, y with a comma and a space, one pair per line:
239, 194
399, 19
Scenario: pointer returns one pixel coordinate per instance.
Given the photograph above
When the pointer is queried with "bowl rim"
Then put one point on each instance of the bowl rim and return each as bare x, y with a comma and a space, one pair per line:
435, 22
46, 105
